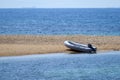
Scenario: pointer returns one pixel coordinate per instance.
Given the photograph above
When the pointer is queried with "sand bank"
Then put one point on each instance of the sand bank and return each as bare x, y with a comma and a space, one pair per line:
29, 44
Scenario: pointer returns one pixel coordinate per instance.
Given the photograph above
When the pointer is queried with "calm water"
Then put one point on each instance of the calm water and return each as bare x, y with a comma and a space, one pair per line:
60, 21
61, 67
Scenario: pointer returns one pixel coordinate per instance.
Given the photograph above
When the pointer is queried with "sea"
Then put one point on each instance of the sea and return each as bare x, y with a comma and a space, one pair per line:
63, 21
61, 66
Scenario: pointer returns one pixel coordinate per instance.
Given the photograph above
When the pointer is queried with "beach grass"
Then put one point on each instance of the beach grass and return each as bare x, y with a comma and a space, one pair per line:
12, 45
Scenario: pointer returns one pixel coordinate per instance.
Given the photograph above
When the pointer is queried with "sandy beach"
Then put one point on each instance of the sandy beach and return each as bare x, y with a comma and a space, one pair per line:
12, 45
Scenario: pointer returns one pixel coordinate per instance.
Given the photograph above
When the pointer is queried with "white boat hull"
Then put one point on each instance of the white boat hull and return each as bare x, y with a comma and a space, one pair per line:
78, 47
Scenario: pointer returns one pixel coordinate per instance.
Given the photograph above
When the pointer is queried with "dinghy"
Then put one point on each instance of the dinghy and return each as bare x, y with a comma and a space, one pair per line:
80, 47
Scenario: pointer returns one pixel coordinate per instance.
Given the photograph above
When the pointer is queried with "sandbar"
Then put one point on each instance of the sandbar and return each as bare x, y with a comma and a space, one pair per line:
13, 45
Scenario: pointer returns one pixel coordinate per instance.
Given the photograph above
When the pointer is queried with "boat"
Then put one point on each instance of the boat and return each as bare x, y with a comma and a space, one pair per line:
80, 47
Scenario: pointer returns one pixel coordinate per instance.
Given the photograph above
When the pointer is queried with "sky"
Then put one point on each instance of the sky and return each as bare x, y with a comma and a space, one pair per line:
59, 3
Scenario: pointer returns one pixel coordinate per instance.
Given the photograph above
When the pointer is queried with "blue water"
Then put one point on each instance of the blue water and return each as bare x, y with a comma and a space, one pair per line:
60, 21
102, 66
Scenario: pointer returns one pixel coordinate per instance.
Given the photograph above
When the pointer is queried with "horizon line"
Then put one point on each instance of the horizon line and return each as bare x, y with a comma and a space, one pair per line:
56, 8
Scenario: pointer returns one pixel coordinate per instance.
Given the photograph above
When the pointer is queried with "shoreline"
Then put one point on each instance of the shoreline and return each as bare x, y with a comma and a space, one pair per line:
14, 45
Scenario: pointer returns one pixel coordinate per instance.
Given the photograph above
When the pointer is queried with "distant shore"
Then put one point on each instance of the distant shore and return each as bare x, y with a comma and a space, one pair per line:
12, 45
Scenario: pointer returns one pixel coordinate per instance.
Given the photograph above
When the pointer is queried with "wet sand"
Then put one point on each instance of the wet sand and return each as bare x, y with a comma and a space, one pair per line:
12, 45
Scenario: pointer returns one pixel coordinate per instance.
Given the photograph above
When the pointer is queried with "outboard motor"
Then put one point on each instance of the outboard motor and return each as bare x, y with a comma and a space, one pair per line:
90, 46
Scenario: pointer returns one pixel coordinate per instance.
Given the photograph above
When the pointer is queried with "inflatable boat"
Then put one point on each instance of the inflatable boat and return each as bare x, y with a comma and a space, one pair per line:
80, 47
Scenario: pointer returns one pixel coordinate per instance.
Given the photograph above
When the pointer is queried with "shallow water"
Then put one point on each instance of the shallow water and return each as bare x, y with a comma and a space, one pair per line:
102, 66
